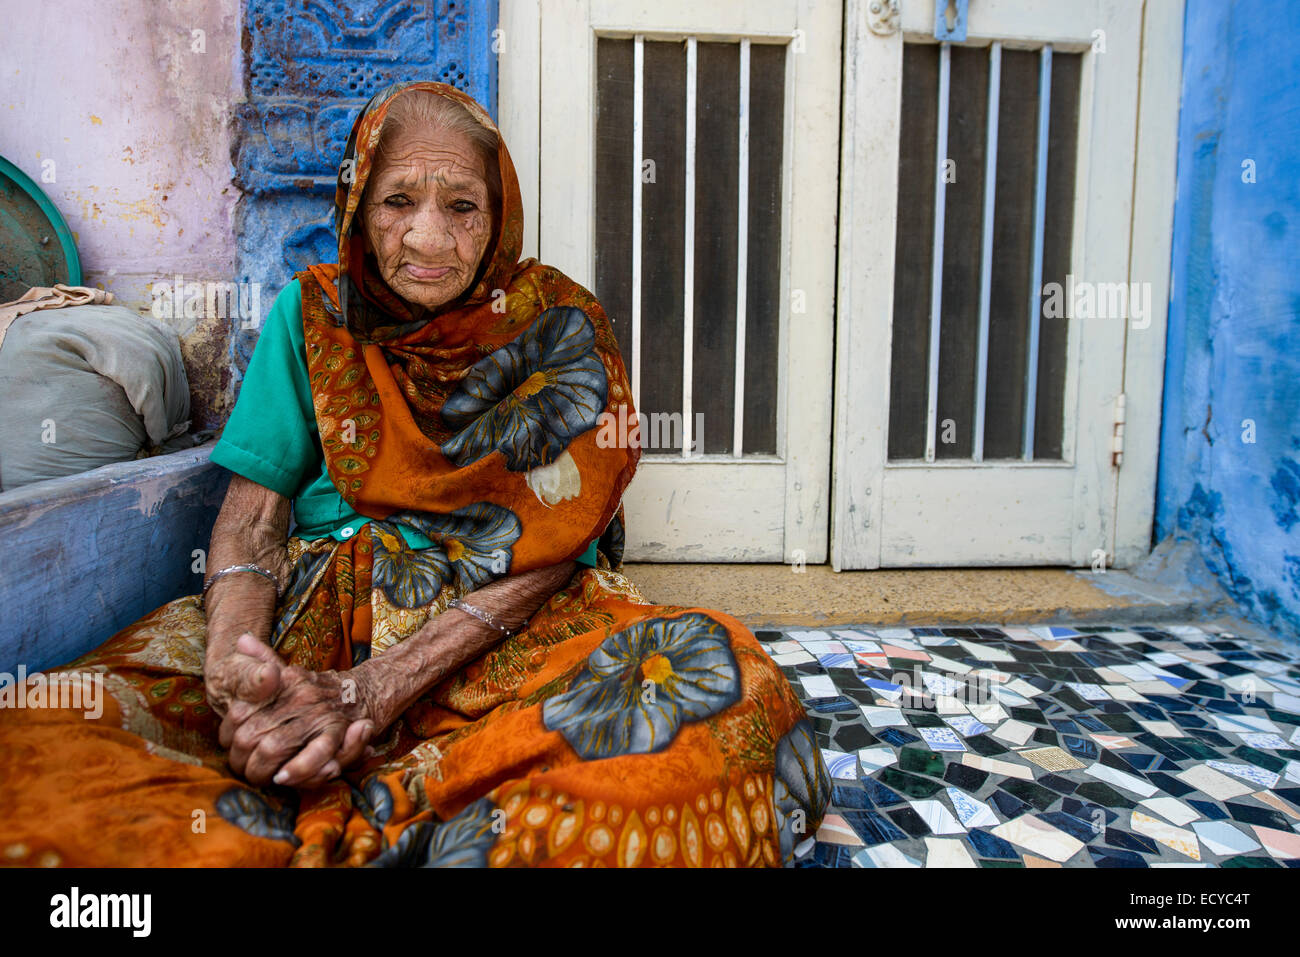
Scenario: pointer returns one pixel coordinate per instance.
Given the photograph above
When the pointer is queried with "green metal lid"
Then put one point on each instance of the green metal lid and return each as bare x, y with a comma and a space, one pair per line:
36, 246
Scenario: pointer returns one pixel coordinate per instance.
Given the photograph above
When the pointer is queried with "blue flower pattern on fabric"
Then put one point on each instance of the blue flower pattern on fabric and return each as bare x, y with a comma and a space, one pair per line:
463, 841
472, 546
531, 397
801, 788
609, 711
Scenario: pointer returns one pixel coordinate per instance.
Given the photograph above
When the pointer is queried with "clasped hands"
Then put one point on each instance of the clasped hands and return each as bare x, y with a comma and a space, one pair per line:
286, 724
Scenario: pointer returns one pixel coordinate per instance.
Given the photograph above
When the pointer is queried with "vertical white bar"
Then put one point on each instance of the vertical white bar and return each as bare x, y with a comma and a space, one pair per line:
742, 253
688, 315
986, 246
1036, 276
638, 105
936, 274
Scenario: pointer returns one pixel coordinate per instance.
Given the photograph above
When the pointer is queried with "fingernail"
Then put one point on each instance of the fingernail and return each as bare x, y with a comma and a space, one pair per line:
281, 777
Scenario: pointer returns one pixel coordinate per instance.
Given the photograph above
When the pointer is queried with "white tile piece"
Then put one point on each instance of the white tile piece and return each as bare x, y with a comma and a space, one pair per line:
985, 652
1247, 772
1243, 722
1211, 782
937, 817
818, 686
1089, 692
1123, 693
970, 811
1121, 779
1039, 837
1163, 729
994, 766
1021, 686
1262, 739
1014, 732
842, 766
883, 855
883, 717
874, 759
1222, 837
1171, 809
802, 636
1180, 839
947, 664
799, 657
947, 852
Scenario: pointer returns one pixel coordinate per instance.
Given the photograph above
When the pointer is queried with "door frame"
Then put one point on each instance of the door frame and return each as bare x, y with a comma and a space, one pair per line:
793, 504
870, 127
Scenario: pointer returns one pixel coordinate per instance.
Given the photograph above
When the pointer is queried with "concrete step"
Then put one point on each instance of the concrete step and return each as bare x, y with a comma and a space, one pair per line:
767, 596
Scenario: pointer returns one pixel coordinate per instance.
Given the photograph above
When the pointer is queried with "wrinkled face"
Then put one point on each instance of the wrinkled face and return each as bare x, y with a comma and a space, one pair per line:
426, 215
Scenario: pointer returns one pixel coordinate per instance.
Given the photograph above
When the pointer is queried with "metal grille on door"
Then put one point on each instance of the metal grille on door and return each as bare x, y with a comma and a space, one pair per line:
689, 155
985, 216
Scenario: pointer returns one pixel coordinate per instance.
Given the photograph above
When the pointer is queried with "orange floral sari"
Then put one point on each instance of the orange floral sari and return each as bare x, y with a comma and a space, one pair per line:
609, 732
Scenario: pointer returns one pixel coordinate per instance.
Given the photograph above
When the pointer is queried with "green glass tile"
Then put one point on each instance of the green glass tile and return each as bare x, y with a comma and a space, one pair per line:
1099, 792
984, 745
1242, 860
984, 863
924, 719
1032, 793
1260, 758
920, 761
908, 784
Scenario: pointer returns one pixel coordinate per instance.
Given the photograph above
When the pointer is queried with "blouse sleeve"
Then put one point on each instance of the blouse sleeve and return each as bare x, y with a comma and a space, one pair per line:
271, 438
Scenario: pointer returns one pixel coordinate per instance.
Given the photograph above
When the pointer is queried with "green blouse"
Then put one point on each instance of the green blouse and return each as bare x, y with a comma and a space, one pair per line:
271, 438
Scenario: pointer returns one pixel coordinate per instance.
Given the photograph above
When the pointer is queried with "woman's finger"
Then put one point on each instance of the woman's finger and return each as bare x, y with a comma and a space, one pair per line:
327, 773
311, 759
354, 741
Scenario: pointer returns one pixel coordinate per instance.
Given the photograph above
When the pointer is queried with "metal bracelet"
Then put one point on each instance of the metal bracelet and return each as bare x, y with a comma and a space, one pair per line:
483, 616
256, 569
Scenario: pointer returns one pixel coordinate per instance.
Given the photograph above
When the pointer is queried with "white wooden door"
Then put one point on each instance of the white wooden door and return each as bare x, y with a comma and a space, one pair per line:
1092, 495
557, 87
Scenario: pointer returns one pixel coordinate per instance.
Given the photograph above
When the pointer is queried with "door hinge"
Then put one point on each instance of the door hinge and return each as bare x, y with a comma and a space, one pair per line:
1117, 436
883, 17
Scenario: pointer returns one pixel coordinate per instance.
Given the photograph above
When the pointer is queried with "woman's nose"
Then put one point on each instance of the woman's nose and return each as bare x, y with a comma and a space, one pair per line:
431, 231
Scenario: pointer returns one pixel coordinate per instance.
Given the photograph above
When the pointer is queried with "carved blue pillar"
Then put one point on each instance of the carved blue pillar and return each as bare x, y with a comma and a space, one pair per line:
310, 65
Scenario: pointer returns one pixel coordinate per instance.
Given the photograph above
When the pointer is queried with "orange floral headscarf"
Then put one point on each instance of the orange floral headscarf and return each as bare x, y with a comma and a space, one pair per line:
498, 409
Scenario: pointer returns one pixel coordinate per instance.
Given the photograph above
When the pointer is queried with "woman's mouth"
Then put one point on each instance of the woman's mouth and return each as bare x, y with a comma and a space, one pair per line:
425, 273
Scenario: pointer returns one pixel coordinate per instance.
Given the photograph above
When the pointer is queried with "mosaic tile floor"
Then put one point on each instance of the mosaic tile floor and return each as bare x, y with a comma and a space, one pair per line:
1047, 746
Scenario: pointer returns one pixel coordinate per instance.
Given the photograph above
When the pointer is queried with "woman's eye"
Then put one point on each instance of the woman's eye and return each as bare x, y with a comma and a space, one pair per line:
464, 206
396, 200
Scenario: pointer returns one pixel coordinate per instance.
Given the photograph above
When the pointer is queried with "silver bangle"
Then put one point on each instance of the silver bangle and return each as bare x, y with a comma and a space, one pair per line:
483, 616
256, 569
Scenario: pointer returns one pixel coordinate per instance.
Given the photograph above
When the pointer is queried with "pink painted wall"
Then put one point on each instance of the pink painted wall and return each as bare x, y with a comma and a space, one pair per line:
134, 109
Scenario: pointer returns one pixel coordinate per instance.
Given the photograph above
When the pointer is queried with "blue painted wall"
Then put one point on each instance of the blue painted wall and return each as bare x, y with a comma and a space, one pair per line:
310, 66
1233, 353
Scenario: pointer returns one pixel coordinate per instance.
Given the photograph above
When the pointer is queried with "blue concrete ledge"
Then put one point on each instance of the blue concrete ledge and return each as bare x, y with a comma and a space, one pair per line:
81, 557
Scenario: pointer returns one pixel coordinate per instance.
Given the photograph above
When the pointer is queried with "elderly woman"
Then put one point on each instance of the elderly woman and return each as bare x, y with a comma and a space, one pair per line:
439, 662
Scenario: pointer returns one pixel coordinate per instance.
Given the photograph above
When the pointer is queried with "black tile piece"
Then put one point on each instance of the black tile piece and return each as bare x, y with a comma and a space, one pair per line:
1089, 812
1071, 700
839, 703
1112, 759
1199, 749
1091, 723
1121, 723
1070, 825
1210, 810
1111, 857
768, 636
1044, 736
1169, 784
991, 846
1130, 841
1263, 816
897, 737
909, 821
849, 796
1025, 713
1058, 784
880, 795
924, 719
1102, 793
1009, 805
1065, 725
968, 779
1040, 797
1148, 711
1164, 746
1081, 748
833, 855
853, 737
983, 745
873, 827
